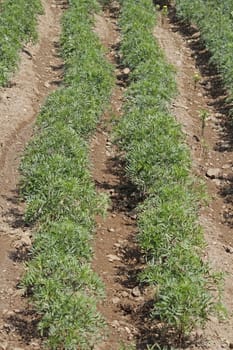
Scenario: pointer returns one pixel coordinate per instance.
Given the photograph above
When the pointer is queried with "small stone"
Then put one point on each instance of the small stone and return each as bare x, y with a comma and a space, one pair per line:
128, 330
134, 217
115, 300
17, 311
124, 294
115, 324
213, 173
46, 84
117, 245
111, 230
112, 257
136, 292
9, 313
226, 166
126, 71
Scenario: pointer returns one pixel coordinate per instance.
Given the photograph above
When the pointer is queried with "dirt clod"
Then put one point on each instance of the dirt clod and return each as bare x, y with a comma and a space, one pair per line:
213, 173
116, 300
115, 324
136, 292
112, 257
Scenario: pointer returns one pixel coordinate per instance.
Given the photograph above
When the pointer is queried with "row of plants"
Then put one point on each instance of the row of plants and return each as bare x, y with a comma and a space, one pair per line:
59, 191
158, 162
215, 21
17, 26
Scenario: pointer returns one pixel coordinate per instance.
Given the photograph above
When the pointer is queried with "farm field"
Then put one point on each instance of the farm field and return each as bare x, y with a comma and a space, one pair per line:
116, 175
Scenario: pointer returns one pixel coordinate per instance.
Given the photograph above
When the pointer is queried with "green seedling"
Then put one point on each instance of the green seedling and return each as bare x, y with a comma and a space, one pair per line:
204, 114
196, 79
164, 12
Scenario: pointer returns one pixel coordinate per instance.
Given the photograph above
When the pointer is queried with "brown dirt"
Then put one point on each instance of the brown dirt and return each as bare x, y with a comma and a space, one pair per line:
182, 48
39, 73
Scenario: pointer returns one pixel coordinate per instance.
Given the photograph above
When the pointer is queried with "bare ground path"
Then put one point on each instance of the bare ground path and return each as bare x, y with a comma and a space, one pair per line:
39, 73
212, 156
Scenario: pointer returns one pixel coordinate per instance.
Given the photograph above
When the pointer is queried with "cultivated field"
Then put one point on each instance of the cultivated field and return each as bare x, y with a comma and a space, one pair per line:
116, 175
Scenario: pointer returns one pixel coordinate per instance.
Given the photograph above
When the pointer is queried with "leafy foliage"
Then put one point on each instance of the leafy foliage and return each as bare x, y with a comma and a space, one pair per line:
159, 163
17, 26
60, 194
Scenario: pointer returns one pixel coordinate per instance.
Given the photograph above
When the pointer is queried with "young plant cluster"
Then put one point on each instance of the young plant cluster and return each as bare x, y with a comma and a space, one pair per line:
158, 162
17, 26
59, 191
214, 18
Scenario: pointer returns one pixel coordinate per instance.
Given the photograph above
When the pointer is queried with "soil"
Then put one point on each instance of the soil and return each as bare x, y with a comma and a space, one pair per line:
117, 257
39, 73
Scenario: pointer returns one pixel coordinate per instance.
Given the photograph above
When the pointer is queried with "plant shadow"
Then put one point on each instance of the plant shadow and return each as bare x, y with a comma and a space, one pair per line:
25, 323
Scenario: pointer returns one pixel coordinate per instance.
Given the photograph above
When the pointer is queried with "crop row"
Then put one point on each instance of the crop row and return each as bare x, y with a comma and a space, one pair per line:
158, 162
215, 21
17, 26
59, 191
